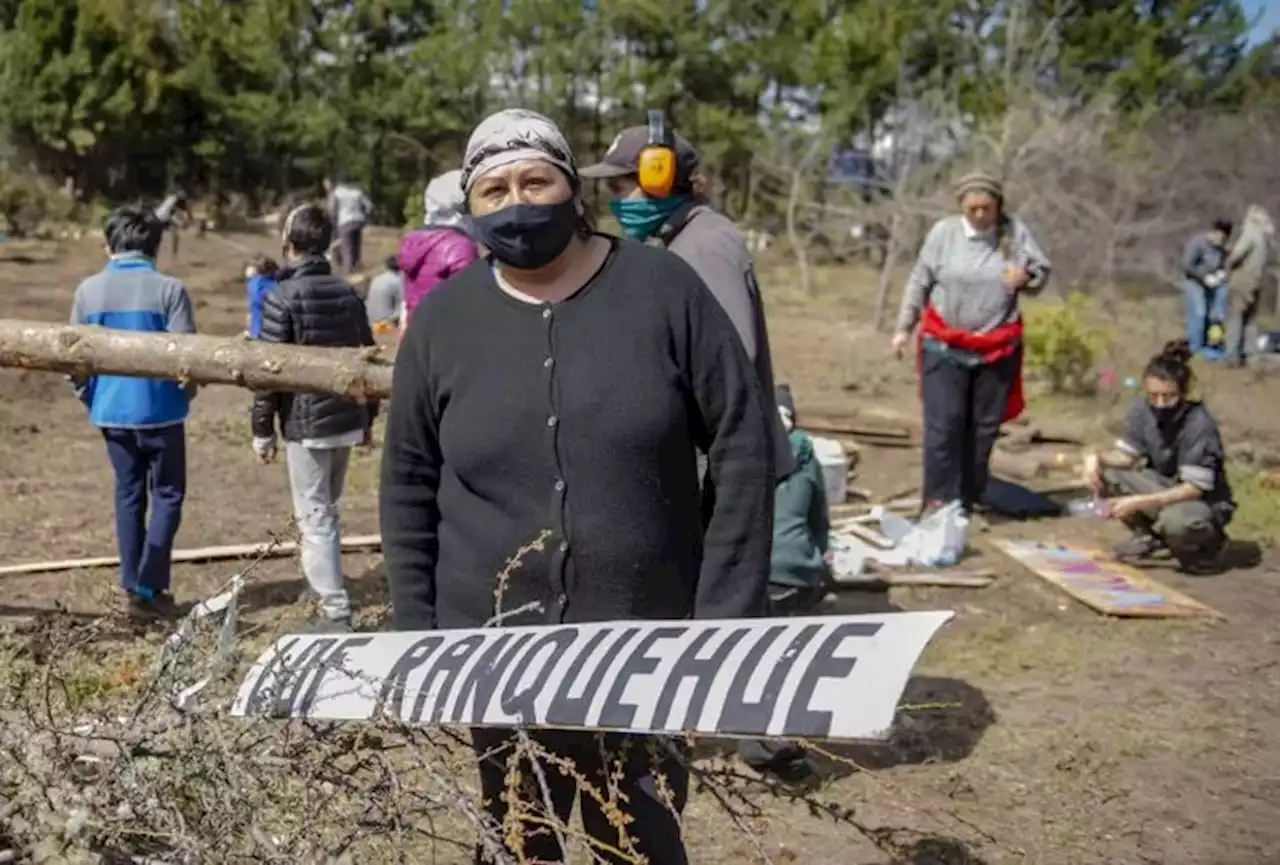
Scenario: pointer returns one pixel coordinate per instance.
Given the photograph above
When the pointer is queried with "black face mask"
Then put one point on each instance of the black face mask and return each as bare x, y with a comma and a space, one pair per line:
1166, 415
528, 236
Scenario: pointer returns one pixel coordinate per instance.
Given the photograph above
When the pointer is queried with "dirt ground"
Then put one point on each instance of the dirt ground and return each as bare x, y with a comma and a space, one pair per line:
1034, 731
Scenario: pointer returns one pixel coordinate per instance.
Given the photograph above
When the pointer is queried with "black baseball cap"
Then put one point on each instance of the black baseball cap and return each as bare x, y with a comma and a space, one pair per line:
623, 156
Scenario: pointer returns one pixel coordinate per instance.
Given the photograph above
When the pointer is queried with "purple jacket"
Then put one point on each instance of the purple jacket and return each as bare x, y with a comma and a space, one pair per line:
428, 257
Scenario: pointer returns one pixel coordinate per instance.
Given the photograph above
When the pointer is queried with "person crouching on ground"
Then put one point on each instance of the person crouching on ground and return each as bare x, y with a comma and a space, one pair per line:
963, 291
799, 575
604, 368
260, 277
143, 420
386, 297
313, 307
441, 247
1167, 473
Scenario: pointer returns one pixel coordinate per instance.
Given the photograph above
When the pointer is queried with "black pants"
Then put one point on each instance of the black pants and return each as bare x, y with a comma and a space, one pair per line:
350, 237
964, 407
654, 828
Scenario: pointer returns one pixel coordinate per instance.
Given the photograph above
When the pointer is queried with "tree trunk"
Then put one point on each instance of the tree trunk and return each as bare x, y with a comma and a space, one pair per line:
84, 351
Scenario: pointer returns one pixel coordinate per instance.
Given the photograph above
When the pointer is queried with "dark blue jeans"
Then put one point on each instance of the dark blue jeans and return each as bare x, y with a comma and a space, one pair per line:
1203, 306
150, 464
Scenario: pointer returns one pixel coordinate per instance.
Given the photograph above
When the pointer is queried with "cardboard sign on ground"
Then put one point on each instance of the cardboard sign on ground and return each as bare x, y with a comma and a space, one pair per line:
1097, 582
827, 677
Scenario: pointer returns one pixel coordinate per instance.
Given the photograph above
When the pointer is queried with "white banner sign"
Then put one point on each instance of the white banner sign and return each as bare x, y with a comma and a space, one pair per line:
828, 677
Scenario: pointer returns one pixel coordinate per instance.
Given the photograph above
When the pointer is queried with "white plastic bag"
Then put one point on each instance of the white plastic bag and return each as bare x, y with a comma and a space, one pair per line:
937, 541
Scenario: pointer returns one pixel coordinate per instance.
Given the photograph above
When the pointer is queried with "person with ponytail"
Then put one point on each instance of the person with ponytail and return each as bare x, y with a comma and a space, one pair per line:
963, 292
1165, 478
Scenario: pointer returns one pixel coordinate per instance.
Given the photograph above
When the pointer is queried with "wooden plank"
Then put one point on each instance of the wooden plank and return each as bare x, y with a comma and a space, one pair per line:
851, 427
1108, 587
200, 554
943, 577
853, 526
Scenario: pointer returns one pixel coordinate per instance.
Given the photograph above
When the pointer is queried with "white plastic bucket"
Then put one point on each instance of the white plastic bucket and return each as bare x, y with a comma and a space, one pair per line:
835, 468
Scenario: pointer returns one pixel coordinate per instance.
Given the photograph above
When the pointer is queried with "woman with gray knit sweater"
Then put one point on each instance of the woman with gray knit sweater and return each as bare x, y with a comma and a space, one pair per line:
963, 293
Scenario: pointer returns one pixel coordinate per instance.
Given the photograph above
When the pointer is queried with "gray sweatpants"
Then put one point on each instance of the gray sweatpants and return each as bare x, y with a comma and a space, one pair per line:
316, 477
1183, 527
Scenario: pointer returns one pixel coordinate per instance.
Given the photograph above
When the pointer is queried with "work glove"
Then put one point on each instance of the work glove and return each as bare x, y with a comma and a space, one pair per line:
265, 448
1215, 279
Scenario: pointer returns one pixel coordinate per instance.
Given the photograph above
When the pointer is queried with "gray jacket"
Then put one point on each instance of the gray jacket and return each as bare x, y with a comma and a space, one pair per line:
710, 243
960, 273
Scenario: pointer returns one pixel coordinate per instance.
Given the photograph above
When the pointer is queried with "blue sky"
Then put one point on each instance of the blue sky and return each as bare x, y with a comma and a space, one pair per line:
1270, 20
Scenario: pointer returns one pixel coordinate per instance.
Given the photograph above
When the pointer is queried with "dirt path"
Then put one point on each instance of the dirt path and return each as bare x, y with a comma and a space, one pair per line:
1048, 734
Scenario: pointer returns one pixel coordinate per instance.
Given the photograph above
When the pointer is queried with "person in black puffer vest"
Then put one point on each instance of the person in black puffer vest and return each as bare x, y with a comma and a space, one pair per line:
311, 306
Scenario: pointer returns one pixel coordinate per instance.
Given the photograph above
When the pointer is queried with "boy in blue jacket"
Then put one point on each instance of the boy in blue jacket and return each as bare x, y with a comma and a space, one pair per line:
143, 420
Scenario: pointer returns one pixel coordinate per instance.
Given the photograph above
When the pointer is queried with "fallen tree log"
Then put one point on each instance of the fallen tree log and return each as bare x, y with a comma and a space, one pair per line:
83, 351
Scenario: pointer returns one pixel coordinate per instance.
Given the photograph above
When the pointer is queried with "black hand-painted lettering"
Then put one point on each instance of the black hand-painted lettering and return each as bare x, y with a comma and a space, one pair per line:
391, 695
702, 671
616, 714
485, 675
449, 663
334, 660
566, 711
801, 720
298, 673
521, 703
260, 695
747, 718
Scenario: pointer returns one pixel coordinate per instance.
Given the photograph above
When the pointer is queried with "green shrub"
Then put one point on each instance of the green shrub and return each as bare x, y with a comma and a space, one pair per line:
1062, 345
27, 201
414, 209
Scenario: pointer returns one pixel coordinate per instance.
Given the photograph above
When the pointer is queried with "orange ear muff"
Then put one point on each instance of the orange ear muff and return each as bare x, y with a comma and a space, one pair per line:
656, 163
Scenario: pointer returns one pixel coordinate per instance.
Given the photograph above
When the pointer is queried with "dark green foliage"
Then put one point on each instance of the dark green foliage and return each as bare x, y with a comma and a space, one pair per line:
261, 98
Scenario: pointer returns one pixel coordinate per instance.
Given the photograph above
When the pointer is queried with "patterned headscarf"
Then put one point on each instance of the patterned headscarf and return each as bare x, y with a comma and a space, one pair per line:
443, 204
979, 181
510, 136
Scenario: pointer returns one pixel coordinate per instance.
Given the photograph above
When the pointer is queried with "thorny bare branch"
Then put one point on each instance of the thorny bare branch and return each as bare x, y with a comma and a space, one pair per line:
100, 762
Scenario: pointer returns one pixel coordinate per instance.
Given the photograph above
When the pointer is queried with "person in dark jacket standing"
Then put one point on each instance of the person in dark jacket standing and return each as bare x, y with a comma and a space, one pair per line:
604, 367
685, 223
143, 420
311, 306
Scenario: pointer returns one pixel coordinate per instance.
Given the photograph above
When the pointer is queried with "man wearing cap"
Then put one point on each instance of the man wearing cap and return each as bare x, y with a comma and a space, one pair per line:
687, 225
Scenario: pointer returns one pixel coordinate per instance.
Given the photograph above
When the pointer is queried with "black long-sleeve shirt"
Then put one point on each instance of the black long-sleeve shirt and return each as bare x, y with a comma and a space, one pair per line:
509, 419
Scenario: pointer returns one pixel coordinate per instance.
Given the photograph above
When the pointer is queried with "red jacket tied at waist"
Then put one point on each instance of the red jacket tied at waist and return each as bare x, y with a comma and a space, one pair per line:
995, 344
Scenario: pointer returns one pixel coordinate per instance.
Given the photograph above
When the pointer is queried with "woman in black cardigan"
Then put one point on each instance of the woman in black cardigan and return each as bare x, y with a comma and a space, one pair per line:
564, 384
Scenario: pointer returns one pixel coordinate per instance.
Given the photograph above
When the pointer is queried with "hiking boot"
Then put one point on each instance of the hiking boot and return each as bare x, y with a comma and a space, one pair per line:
159, 607
1203, 561
322, 624
1142, 545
